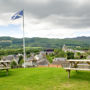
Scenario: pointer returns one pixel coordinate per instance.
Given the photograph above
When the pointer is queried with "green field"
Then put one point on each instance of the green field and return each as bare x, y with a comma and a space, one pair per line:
44, 79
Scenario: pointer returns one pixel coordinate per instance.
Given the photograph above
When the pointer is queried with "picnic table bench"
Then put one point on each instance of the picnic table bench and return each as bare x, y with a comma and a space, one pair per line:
75, 65
5, 65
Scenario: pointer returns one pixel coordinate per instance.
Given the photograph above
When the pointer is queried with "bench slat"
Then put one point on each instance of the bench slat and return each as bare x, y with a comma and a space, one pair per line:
77, 69
83, 65
2, 68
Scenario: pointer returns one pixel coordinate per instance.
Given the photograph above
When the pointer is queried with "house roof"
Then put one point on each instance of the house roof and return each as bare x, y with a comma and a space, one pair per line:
60, 63
9, 57
49, 50
43, 62
59, 59
30, 59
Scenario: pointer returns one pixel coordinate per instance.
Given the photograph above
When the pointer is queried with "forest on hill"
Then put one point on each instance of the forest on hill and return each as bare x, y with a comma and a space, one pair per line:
12, 43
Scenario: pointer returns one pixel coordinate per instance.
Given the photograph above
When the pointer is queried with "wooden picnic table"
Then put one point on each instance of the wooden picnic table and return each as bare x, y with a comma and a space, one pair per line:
5, 65
73, 65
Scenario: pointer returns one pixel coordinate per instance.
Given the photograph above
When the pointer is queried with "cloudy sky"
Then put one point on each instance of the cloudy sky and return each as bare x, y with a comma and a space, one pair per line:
46, 18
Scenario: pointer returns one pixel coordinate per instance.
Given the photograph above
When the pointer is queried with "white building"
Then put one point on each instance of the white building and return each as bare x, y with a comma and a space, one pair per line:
30, 62
59, 59
65, 49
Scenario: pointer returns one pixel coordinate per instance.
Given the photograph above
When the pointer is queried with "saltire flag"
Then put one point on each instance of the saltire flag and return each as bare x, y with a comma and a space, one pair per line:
17, 15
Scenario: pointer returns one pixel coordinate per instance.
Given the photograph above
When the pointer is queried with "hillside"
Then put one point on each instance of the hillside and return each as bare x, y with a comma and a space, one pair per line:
10, 42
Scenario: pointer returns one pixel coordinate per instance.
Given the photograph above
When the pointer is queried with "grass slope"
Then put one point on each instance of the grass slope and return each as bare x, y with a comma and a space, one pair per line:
44, 79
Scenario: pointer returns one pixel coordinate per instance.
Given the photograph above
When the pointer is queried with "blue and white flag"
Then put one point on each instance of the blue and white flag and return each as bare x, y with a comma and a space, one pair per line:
17, 15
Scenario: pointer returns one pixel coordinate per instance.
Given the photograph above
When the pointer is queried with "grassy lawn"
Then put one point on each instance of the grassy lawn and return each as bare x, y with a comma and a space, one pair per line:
44, 79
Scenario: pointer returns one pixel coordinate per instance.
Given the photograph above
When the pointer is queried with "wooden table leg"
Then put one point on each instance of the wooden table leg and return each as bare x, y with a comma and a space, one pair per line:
7, 71
68, 73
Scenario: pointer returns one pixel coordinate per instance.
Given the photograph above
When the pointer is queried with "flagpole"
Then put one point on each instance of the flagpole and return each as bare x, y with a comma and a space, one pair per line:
24, 41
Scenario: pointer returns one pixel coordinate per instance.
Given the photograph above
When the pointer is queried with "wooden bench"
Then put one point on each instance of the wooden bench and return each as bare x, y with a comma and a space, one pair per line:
69, 69
5, 65
7, 68
75, 65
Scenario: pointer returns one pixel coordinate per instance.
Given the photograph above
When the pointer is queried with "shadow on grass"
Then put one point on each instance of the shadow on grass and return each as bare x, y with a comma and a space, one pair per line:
80, 75
3, 73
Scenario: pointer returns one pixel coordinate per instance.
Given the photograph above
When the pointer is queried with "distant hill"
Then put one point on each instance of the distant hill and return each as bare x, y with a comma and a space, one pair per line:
10, 42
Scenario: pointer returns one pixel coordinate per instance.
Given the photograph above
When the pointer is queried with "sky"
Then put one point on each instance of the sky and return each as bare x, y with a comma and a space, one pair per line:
46, 18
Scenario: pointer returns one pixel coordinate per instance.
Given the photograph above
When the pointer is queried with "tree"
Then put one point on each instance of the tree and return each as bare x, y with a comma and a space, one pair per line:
49, 58
77, 55
59, 53
13, 64
70, 55
21, 61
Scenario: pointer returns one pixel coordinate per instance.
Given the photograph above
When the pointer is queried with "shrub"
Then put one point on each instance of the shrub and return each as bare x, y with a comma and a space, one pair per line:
20, 58
21, 62
70, 55
59, 53
13, 64
49, 58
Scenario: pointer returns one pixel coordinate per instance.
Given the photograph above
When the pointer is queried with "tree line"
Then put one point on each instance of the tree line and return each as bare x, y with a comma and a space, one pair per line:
16, 43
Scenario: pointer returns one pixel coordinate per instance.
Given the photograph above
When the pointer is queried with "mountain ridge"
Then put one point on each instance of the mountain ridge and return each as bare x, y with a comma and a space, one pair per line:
11, 42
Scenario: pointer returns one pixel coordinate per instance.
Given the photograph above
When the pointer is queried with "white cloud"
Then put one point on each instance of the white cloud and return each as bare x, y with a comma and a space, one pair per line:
45, 28
37, 1
3, 18
55, 19
81, 2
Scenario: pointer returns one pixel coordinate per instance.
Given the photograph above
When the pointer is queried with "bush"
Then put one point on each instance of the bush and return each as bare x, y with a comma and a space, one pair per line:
20, 58
21, 62
49, 58
59, 53
70, 55
13, 64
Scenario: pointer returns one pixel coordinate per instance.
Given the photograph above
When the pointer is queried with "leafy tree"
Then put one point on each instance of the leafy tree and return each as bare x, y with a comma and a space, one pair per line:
13, 64
21, 61
70, 55
49, 58
77, 55
59, 53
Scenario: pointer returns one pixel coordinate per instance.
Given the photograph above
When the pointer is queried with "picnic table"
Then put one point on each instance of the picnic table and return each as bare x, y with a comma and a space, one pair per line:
5, 65
73, 65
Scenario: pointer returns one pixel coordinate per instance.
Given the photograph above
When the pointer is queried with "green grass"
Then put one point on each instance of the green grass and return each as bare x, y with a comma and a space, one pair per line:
44, 79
